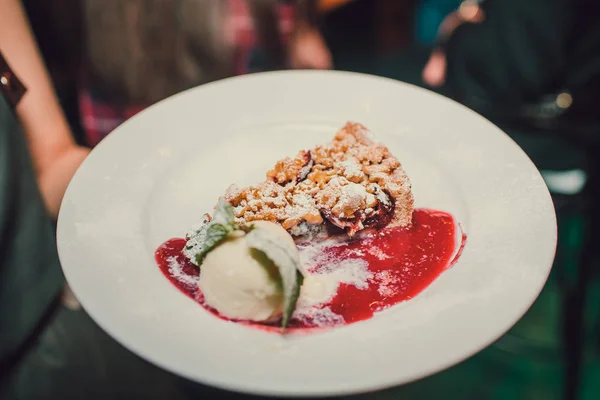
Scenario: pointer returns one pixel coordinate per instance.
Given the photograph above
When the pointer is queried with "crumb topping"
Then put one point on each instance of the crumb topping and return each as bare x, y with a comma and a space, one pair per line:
351, 182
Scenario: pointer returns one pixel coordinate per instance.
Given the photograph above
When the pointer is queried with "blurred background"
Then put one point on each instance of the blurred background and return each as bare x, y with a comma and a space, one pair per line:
530, 66
73, 37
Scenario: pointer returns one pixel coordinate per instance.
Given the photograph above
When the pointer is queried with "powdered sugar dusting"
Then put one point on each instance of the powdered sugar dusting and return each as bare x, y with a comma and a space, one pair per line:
351, 169
323, 276
352, 195
347, 279
319, 317
387, 282
352, 272
321, 282
377, 252
301, 205
195, 239
311, 251
177, 272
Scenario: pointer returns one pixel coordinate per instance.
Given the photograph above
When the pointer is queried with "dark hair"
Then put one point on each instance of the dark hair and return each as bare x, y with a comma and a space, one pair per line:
140, 51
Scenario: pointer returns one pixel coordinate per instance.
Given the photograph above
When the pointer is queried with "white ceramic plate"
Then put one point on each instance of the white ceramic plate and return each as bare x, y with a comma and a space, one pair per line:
159, 172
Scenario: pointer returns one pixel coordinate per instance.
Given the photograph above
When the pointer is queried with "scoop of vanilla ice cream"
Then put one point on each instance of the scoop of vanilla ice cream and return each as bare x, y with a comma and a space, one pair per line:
242, 283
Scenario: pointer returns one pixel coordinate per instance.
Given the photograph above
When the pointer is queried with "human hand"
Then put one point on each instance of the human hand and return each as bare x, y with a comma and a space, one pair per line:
56, 175
68, 299
308, 50
469, 11
434, 73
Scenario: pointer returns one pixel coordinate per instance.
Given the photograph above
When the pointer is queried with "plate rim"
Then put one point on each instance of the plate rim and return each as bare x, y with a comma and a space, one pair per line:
249, 389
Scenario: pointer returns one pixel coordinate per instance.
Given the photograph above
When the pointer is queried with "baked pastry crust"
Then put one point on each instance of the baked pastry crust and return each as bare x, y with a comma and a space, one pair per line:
352, 182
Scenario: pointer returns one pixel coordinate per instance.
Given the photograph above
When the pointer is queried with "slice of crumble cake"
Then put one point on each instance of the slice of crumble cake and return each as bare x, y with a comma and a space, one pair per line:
352, 183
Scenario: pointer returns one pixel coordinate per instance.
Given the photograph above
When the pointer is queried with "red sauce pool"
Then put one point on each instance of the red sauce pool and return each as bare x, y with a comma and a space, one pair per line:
401, 263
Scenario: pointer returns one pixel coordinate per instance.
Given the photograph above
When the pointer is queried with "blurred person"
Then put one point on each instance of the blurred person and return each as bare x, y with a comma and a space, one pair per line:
47, 351
141, 51
37, 162
49, 347
429, 15
508, 53
54, 153
533, 68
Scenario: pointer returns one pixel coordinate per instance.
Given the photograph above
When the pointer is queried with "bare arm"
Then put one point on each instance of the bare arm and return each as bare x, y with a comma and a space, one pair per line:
515, 51
54, 153
307, 13
308, 48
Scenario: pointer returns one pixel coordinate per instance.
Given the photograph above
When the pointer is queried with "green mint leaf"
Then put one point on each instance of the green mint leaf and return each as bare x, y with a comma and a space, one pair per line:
215, 234
293, 298
285, 256
208, 236
246, 228
223, 213
195, 242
